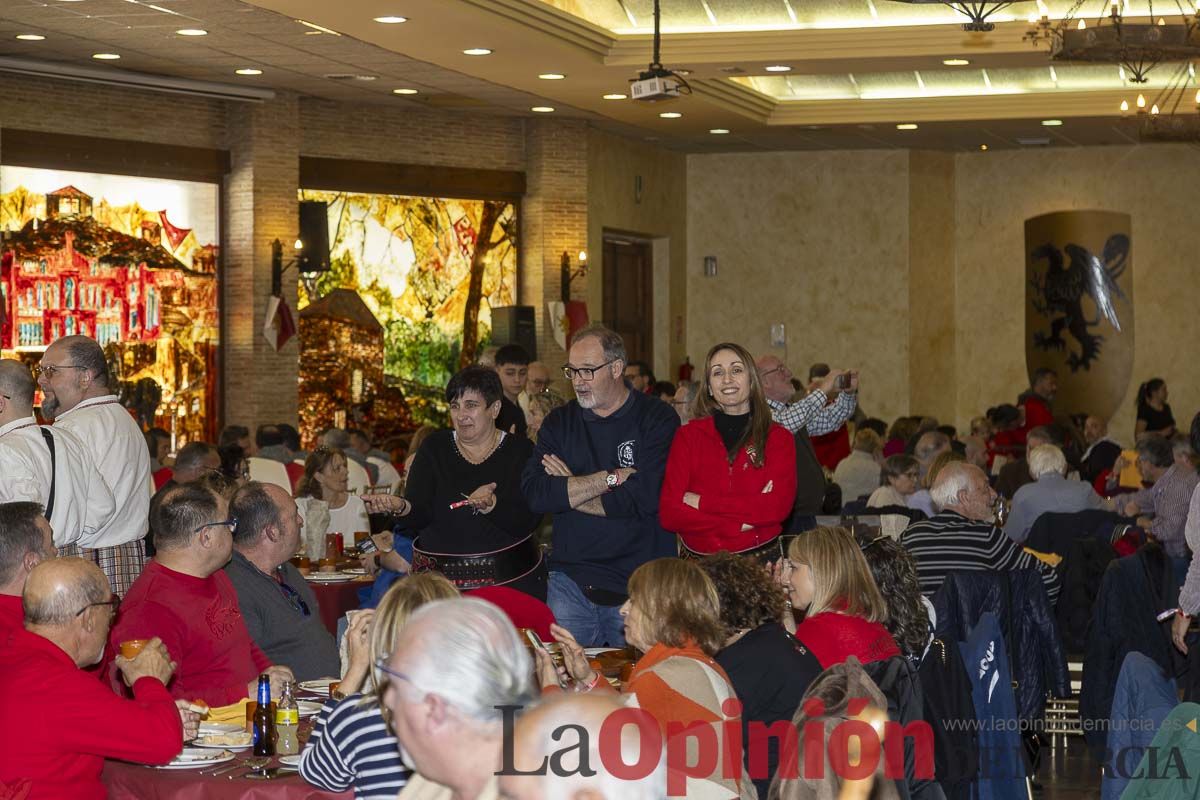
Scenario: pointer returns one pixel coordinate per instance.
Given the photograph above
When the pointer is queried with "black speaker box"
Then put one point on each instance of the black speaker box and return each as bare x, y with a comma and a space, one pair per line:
515, 325
314, 232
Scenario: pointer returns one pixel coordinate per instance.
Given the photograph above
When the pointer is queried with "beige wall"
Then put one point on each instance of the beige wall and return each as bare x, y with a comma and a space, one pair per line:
817, 241
661, 215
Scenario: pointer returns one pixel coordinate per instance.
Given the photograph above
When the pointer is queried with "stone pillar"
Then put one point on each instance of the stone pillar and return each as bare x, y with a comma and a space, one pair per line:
260, 205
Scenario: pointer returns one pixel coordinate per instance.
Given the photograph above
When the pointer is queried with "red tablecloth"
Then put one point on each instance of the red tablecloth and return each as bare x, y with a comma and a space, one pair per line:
336, 599
134, 782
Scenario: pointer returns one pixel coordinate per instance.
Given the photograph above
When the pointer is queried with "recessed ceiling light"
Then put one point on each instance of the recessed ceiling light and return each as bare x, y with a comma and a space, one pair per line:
391, 20
616, 96
1052, 123
670, 115
542, 109
906, 126
248, 71
30, 37
956, 62
983, 147
719, 130
192, 32
552, 76
477, 51
404, 91
106, 56
778, 68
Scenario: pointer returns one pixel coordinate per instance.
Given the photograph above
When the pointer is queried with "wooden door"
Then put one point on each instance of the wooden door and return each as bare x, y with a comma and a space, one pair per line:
628, 283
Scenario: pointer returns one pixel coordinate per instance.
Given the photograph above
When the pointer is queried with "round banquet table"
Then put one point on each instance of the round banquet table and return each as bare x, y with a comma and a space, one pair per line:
136, 782
336, 599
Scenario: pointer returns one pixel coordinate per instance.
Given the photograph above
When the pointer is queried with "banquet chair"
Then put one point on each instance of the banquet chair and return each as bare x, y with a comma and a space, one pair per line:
266, 470
388, 476
357, 478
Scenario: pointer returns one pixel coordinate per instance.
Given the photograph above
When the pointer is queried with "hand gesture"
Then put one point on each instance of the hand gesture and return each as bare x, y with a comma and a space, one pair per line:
386, 504
574, 659
548, 674
189, 719
152, 662
851, 381
358, 639
483, 499
278, 674
829, 384
556, 467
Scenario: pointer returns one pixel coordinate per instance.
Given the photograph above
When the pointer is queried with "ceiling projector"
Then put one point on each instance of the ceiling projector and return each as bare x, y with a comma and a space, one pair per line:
651, 87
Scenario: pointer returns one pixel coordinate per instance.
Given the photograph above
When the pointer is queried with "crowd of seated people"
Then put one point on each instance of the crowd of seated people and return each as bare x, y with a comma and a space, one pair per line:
681, 526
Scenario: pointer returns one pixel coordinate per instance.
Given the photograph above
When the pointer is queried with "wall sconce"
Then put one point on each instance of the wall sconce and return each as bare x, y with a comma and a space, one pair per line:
710, 266
277, 265
566, 275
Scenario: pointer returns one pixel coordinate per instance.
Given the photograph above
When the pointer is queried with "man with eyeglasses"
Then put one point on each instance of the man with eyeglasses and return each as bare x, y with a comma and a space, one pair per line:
185, 598
598, 468
77, 396
63, 481
25, 541
277, 604
57, 722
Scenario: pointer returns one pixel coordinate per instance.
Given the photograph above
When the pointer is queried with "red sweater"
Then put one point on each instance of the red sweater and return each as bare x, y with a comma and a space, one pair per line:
832, 447
834, 637
1037, 412
58, 723
730, 494
199, 621
12, 616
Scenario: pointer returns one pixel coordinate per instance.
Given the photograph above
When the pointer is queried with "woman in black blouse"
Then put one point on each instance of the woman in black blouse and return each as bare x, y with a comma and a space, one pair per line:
1153, 413
464, 500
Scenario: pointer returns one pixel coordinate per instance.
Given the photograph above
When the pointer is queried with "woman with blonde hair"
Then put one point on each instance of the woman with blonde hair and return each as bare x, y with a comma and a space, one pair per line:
673, 615
731, 473
826, 576
351, 743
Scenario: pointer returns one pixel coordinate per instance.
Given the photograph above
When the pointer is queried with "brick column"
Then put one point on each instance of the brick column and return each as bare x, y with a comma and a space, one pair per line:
554, 220
260, 205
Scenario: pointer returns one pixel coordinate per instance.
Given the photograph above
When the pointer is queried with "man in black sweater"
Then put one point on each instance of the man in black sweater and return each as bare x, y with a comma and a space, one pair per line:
598, 468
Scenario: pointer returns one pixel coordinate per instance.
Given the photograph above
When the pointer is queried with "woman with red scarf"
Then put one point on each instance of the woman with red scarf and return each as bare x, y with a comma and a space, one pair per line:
731, 473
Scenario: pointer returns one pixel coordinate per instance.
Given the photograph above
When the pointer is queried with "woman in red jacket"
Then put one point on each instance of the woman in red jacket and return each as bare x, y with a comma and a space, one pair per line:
731, 473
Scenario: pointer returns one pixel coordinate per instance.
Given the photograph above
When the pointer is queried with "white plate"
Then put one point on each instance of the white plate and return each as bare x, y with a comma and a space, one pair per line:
290, 761
197, 758
213, 728
308, 708
317, 686
592, 652
329, 577
354, 571
237, 748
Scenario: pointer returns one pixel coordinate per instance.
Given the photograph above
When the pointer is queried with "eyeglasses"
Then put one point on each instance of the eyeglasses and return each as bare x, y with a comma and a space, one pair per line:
111, 603
780, 368
50, 370
294, 599
587, 373
231, 523
381, 665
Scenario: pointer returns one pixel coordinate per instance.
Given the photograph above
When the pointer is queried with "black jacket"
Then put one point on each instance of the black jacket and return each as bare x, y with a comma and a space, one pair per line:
897, 679
1082, 571
1054, 531
950, 712
1018, 599
1134, 591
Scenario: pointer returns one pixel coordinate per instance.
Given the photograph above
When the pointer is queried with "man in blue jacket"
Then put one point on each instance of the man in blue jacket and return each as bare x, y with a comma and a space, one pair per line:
598, 468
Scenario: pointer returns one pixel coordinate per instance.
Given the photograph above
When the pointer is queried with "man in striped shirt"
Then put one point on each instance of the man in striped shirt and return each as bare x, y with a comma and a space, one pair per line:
962, 536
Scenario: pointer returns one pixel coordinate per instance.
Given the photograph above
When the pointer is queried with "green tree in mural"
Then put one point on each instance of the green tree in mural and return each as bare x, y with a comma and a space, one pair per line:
492, 210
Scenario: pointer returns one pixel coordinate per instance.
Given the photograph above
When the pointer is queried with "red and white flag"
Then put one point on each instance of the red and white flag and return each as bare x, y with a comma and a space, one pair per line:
279, 325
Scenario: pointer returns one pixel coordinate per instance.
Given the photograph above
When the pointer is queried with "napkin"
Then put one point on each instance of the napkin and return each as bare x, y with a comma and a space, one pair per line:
231, 713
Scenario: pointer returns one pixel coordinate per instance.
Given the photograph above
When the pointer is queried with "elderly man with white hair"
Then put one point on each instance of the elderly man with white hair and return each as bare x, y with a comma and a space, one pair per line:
1051, 490
456, 665
962, 535
571, 724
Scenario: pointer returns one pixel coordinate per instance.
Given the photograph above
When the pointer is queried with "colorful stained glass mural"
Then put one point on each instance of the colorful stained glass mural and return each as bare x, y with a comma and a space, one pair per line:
131, 262
429, 270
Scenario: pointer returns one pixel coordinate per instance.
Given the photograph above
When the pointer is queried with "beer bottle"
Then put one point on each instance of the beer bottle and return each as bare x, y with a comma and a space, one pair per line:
264, 725
287, 720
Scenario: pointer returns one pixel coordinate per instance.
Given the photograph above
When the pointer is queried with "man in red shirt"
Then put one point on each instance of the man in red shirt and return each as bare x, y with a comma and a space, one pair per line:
1038, 398
186, 599
57, 722
25, 541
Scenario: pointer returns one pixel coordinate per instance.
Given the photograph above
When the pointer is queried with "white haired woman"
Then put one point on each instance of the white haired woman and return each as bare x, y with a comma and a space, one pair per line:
1051, 490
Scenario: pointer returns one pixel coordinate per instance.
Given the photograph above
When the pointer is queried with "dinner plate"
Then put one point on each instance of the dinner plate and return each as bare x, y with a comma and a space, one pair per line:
200, 741
592, 652
354, 571
197, 758
211, 728
308, 708
317, 686
329, 577
290, 761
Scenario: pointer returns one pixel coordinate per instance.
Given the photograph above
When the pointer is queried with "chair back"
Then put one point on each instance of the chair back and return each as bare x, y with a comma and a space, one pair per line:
267, 470
356, 479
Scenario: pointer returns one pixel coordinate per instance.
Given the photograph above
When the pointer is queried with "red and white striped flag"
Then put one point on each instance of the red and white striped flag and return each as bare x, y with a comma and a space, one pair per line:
279, 325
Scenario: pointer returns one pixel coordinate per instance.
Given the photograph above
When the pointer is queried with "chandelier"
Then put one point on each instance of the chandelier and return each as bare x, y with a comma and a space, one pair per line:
1138, 47
1173, 115
977, 12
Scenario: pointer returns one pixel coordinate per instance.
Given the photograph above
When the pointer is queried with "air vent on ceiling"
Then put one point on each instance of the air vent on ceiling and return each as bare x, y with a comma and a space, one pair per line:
349, 76
1039, 141
733, 70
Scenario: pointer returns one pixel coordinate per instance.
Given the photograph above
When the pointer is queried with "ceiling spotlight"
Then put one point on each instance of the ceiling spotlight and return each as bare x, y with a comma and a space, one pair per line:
956, 62
719, 131
670, 115
192, 32
552, 76
542, 109
391, 20
477, 51
1052, 123
778, 68
906, 126
616, 96
105, 56
248, 71
404, 91
30, 37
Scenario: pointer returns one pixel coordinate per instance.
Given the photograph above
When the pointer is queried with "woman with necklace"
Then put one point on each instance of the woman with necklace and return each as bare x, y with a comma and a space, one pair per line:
463, 497
326, 478
731, 472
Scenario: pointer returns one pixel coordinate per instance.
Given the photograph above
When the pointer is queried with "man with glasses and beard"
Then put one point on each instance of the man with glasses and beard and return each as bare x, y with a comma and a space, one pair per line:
277, 604
185, 598
57, 722
598, 468
78, 397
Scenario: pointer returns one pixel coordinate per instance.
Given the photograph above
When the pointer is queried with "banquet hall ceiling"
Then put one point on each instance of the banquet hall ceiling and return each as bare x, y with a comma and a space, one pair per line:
858, 68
